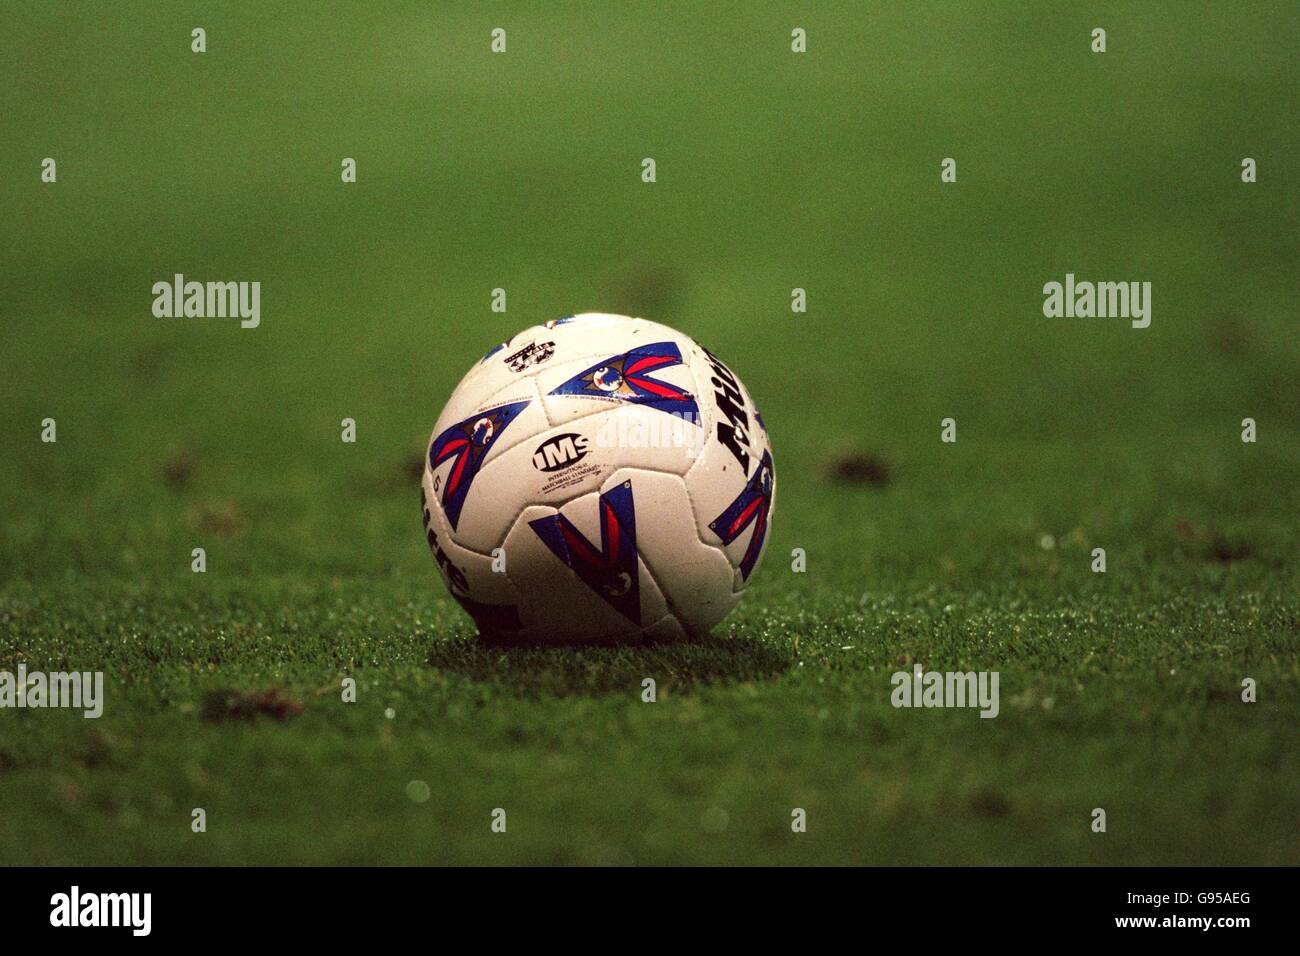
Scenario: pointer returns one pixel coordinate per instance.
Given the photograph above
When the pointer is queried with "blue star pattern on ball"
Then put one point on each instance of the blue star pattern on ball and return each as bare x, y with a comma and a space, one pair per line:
751, 507
625, 378
467, 442
610, 571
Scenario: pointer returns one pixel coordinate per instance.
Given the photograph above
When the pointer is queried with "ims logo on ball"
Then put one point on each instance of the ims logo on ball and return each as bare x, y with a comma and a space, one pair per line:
561, 451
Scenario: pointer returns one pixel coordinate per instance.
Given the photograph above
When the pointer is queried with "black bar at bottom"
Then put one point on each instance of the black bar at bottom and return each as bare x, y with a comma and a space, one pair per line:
240, 906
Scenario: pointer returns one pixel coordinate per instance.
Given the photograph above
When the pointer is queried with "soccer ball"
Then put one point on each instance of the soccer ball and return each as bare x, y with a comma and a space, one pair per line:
598, 478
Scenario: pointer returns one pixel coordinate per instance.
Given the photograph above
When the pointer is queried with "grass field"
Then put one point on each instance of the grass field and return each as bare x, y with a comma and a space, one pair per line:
775, 170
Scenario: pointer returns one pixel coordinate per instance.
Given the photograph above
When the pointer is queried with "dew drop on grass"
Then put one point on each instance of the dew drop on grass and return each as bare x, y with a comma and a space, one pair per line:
418, 791
714, 820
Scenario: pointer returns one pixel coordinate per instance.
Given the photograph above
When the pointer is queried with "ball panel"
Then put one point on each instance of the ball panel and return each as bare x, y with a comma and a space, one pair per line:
535, 348
478, 511
566, 461
578, 579
463, 406
486, 594
694, 577
652, 375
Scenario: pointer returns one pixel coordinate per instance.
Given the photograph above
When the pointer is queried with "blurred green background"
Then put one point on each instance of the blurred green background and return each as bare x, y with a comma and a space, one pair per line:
775, 170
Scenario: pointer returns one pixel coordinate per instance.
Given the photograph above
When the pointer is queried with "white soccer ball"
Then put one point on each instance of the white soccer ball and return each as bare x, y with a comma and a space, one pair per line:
598, 477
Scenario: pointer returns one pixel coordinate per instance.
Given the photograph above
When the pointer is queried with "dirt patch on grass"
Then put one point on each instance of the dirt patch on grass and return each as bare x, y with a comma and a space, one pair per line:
224, 705
860, 469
